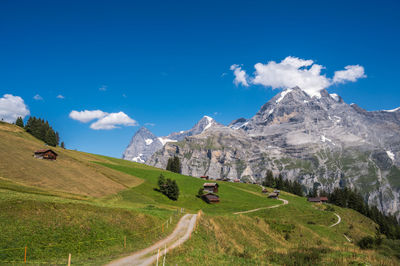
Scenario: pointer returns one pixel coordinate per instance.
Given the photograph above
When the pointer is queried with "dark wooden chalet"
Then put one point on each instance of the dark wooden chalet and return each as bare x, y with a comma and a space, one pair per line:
47, 154
204, 177
210, 198
316, 199
323, 199
264, 190
211, 187
273, 195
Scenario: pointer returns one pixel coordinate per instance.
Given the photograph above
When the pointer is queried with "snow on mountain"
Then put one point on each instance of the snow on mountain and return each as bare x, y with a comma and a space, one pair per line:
393, 110
164, 140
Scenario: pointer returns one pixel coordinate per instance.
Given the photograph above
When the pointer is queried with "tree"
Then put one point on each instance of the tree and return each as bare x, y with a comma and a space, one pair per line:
168, 187
174, 165
50, 138
269, 180
201, 192
62, 145
161, 183
19, 122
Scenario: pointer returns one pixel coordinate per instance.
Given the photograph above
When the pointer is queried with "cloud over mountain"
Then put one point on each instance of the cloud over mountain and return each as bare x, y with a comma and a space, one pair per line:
293, 71
12, 107
104, 120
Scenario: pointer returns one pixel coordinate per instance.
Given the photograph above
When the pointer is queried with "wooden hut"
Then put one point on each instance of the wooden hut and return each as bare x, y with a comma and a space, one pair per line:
323, 199
204, 177
211, 187
273, 195
47, 154
210, 198
315, 200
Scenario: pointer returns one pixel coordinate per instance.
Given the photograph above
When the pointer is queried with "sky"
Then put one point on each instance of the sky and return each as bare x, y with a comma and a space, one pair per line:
99, 70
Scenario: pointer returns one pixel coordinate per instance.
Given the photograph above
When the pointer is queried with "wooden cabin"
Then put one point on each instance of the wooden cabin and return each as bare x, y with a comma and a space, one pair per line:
264, 191
211, 187
210, 198
323, 199
47, 154
273, 195
316, 200
204, 177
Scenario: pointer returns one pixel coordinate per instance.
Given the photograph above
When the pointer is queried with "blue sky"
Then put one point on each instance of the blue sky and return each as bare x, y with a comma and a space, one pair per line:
168, 64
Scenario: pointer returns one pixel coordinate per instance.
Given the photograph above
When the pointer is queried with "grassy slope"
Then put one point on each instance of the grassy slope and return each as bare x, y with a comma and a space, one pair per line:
115, 198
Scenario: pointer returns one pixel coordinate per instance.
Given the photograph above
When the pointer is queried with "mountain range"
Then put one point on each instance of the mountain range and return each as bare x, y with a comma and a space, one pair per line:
318, 140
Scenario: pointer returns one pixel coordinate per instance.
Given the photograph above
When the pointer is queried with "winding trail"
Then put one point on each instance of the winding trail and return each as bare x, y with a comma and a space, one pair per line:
338, 222
149, 255
263, 208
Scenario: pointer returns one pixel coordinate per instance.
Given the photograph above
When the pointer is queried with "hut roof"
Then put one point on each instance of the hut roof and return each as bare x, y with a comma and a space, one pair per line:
314, 199
210, 185
323, 198
44, 151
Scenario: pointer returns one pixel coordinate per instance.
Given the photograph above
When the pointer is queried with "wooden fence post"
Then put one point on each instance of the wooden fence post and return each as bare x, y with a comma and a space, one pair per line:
163, 228
25, 254
124, 241
69, 259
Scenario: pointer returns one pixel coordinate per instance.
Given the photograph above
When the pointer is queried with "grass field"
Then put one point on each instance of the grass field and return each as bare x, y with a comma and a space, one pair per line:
87, 204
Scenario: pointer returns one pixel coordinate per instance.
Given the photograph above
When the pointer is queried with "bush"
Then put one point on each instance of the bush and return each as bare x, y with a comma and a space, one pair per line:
366, 242
168, 187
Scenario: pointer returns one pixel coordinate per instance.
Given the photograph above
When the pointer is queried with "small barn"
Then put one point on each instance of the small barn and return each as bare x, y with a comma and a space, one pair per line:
273, 195
211, 187
47, 154
323, 199
264, 191
204, 177
315, 200
210, 198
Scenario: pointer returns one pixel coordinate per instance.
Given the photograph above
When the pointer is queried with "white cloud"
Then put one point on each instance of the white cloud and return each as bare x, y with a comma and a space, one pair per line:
112, 121
59, 96
150, 124
240, 75
86, 116
37, 97
292, 72
351, 73
103, 88
12, 107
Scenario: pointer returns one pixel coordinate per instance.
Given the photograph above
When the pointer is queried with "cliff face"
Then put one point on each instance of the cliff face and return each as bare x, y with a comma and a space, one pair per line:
319, 141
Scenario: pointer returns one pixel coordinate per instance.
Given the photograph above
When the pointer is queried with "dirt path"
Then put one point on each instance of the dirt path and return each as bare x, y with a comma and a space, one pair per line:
338, 222
263, 208
149, 255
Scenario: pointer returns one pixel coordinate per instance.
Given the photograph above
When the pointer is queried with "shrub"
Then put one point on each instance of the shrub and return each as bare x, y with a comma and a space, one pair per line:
366, 242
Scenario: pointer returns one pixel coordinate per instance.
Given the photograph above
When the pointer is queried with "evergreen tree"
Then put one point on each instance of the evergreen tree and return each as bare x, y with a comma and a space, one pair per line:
174, 165
19, 122
62, 145
161, 183
57, 138
50, 138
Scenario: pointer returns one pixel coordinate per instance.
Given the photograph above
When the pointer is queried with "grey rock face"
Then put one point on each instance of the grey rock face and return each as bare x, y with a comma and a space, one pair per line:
144, 143
320, 141
142, 146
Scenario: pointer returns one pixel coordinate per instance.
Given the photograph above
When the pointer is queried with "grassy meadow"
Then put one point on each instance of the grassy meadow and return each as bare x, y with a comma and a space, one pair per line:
87, 204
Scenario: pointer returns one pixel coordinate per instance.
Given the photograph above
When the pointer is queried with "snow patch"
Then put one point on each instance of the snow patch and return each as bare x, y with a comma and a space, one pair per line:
209, 120
305, 101
148, 141
138, 158
334, 96
393, 110
324, 139
181, 131
245, 124
390, 154
283, 94
338, 119
271, 111
165, 140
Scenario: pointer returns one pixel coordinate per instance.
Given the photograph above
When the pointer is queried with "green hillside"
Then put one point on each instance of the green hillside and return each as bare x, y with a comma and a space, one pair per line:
87, 205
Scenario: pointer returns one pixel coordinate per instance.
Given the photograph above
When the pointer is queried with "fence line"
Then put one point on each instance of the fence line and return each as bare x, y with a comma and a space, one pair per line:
78, 243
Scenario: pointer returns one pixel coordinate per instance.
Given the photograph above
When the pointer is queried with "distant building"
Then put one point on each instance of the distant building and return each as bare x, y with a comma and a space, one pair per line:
236, 180
316, 200
47, 154
264, 190
323, 199
210, 198
210, 187
273, 195
204, 177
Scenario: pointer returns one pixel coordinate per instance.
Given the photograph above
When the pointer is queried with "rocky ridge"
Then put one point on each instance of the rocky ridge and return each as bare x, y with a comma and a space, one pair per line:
319, 141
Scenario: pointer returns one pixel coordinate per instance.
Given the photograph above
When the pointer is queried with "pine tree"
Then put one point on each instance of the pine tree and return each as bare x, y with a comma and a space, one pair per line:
19, 122
50, 138
62, 145
161, 183
57, 138
174, 165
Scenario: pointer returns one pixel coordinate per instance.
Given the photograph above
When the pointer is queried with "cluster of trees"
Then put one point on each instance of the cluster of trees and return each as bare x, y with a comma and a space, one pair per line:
174, 165
348, 198
168, 187
281, 184
40, 129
